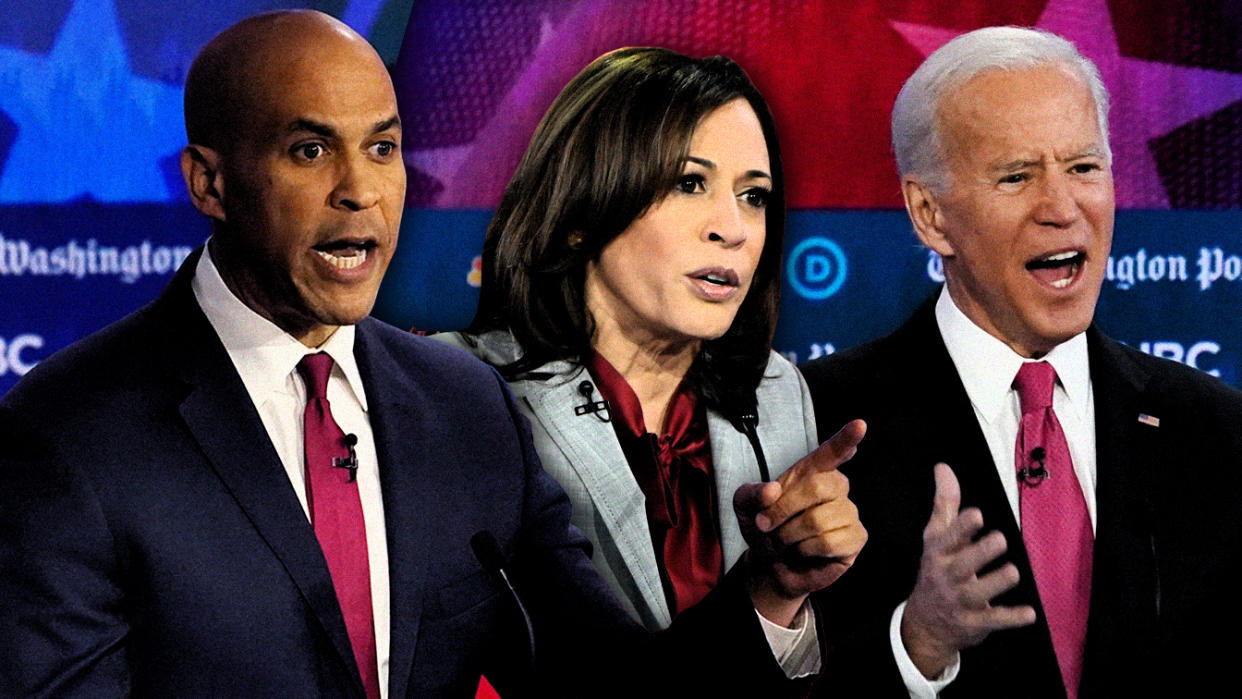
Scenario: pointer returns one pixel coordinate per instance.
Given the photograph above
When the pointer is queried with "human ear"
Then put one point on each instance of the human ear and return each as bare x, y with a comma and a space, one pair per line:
200, 168
926, 215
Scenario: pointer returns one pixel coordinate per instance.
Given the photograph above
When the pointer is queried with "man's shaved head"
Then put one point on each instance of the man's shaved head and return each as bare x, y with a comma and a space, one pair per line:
231, 71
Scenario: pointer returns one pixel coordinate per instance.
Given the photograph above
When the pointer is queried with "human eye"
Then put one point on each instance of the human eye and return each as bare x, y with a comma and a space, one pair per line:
1014, 178
384, 149
308, 152
691, 183
1085, 168
757, 197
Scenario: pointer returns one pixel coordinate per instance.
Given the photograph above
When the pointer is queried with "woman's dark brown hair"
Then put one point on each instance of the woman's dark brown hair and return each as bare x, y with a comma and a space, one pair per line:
613, 143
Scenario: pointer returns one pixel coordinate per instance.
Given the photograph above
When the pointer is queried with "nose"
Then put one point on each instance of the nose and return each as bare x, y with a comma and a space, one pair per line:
356, 186
1058, 206
725, 225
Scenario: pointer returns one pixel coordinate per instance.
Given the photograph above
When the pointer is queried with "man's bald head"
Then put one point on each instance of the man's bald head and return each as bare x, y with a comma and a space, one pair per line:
232, 76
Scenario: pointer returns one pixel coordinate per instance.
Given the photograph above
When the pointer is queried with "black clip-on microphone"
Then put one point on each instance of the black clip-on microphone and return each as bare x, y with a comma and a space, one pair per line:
487, 550
598, 407
1034, 475
350, 462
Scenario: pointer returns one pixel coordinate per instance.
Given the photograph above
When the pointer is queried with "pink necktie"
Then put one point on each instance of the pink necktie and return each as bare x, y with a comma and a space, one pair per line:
1056, 529
336, 515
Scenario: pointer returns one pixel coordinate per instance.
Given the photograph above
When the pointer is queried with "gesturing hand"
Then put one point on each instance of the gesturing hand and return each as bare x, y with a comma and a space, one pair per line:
802, 528
950, 607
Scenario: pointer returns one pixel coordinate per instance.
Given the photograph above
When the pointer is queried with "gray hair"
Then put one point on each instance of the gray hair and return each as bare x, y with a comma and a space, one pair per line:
916, 124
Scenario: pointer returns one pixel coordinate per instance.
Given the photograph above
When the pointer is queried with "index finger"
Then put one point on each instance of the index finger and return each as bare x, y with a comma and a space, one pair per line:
828, 456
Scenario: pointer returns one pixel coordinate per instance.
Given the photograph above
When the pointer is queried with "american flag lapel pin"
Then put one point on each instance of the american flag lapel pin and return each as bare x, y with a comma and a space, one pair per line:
1149, 419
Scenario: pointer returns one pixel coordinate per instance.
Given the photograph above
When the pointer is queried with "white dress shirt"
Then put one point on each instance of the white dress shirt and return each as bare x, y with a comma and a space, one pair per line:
266, 358
987, 367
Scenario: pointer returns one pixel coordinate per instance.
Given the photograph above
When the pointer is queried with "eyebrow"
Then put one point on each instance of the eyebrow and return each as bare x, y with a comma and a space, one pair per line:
712, 166
1088, 152
1012, 165
312, 126
315, 127
390, 122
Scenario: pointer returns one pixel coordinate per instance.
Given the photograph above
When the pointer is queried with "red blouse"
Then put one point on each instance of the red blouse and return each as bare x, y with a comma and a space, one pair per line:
674, 471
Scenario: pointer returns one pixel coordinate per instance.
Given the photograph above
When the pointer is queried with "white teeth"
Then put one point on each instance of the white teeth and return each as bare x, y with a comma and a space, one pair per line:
715, 279
343, 262
1061, 256
1062, 283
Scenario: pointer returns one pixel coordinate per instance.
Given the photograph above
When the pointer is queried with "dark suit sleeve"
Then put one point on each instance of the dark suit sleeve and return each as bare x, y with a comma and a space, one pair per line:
588, 645
62, 629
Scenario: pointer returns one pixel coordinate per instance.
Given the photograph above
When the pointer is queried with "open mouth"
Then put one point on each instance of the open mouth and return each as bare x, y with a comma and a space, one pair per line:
1057, 270
345, 254
717, 277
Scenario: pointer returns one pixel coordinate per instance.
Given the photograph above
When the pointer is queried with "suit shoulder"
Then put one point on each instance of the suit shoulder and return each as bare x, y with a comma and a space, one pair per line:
1196, 388
427, 352
779, 374
436, 366
858, 363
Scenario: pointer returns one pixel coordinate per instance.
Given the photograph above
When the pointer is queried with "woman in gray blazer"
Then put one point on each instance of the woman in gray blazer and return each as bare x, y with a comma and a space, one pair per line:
630, 284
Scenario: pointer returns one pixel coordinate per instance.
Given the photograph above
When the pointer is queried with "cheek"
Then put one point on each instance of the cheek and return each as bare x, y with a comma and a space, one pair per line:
1103, 223
757, 241
394, 197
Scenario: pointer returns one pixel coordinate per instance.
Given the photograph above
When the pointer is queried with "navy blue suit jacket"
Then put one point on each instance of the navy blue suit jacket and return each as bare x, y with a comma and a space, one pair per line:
1168, 545
151, 543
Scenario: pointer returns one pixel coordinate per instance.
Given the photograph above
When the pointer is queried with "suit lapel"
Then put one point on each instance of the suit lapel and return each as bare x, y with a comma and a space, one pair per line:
405, 442
1125, 588
949, 422
733, 465
592, 451
221, 416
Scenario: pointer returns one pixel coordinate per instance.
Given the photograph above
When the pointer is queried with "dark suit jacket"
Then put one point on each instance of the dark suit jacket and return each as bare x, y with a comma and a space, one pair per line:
151, 543
1168, 529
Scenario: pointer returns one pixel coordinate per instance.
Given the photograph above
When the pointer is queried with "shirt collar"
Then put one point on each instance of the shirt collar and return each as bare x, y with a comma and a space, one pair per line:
987, 366
263, 354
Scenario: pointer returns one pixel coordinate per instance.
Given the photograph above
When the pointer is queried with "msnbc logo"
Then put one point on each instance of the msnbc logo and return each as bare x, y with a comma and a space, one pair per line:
11, 354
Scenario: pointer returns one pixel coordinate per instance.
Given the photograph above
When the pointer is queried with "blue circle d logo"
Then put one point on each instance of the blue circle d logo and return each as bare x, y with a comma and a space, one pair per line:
816, 268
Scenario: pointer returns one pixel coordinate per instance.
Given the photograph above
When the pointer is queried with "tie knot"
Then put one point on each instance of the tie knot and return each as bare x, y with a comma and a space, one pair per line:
1034, 385
315, 369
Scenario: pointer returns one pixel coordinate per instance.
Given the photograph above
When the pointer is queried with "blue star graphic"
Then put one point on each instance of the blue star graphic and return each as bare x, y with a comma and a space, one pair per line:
85, 124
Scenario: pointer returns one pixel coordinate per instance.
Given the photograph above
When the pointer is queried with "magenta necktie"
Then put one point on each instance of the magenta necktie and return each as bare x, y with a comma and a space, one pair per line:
336, 515
1056, 529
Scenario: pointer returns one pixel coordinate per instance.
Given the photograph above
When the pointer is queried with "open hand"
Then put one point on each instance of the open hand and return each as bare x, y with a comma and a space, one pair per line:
951, 605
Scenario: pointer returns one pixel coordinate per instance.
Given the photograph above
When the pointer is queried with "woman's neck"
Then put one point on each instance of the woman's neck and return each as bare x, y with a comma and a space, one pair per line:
653, 371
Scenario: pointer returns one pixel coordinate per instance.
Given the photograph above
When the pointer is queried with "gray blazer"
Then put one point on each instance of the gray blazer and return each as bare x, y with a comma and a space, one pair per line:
583, 454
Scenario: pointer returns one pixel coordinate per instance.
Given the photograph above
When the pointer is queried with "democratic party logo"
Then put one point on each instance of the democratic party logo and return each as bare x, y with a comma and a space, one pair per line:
816, 268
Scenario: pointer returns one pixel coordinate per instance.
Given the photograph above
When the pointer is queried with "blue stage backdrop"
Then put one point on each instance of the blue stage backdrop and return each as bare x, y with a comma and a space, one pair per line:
93, 218
1173, 284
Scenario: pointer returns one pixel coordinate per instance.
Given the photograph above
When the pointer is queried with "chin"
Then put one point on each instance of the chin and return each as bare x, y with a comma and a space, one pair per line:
1050, 337
343, 316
